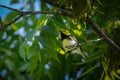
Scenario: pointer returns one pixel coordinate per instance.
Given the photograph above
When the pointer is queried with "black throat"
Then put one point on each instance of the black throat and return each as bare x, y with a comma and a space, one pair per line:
63, 36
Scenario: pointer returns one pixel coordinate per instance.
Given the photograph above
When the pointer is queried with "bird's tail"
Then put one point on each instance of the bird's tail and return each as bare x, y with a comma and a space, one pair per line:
80, 52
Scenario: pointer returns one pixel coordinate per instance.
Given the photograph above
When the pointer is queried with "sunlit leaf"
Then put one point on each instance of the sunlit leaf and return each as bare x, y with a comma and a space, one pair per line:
76, 32
89, 4
118, 71
114, 74
42, 22
107, 77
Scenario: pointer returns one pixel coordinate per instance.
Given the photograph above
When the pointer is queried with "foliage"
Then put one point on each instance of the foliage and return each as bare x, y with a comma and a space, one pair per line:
30, 50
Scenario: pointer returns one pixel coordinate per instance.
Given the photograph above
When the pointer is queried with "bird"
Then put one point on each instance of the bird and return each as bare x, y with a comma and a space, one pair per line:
70, 44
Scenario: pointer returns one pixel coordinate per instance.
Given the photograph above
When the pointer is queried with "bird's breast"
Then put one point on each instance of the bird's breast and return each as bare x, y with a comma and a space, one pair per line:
69, 45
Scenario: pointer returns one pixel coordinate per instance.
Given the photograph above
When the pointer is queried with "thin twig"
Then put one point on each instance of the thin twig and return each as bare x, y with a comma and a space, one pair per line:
40, 12
92, 41
1, 23
24, 13
103, 35
3, 6
30, 12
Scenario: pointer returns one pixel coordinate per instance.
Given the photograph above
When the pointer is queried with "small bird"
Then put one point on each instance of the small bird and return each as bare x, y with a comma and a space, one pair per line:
70, 44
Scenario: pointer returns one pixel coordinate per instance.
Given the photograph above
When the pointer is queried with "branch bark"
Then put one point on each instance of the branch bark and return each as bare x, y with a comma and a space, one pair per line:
103, 35
24, 13
1, 23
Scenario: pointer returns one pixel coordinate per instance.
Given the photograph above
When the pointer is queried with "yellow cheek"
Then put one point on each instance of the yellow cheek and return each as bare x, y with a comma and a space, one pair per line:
61, 51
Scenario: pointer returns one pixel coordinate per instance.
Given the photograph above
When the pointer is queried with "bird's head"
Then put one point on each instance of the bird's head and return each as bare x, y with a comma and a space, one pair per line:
64, 33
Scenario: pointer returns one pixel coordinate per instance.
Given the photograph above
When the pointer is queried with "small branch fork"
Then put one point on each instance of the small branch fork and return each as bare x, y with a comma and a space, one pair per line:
22, 14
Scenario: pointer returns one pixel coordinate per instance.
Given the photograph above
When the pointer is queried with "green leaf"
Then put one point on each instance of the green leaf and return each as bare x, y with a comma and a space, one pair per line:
49, 42
10, 17
21, 77
42, 22
24, 67
107, 77
118, 71
9, 63
44, 6
22, 52
114, 74
58, 22
23, 49
89, 60
88, 71
89, 4
14, 1
30, 35
34, 50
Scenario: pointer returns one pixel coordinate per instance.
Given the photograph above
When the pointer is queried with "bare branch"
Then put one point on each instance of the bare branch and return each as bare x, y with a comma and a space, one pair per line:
10, 8
1, 23
40, 12
24, 13
30, 12
103, 35
92, 41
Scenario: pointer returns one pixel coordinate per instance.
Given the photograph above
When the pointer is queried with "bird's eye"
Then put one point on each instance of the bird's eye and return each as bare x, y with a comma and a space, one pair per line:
70, 46
73, 46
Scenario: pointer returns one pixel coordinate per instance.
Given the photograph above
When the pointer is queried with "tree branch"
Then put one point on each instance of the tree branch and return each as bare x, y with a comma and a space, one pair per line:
91, 41
103, 35
3, 6
1, 23
24, 13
